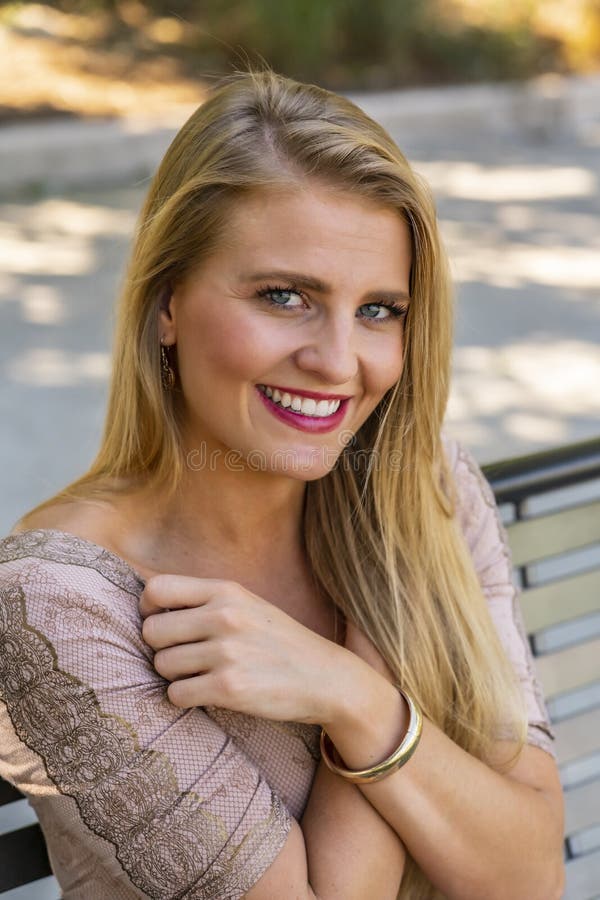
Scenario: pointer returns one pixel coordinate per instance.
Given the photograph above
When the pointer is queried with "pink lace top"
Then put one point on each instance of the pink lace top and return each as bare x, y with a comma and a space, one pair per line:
137, 798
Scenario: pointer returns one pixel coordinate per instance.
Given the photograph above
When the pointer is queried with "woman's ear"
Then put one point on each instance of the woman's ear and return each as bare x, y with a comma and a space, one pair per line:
166, 317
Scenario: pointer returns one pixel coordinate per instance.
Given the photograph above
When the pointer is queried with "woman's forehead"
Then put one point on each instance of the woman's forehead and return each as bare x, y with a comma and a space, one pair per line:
312, 224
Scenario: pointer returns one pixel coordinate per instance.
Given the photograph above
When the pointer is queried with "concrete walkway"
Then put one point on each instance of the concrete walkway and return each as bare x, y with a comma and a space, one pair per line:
515, 171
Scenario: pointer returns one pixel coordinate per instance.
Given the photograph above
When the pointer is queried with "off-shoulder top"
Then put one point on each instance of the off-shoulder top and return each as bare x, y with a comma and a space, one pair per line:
138, 798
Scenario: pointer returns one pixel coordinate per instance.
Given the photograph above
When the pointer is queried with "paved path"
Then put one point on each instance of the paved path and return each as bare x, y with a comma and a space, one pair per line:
519, 206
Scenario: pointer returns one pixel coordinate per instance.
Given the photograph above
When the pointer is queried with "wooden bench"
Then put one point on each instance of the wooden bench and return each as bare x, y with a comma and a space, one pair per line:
550, 503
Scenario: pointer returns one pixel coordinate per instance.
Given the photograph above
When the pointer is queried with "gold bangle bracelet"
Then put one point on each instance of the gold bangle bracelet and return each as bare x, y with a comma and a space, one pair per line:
400, 756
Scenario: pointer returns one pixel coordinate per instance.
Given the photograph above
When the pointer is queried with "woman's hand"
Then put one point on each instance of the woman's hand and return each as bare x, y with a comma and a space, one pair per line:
221, 645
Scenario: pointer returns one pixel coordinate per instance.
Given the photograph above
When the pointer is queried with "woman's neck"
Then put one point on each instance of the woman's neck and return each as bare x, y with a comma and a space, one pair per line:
217, 519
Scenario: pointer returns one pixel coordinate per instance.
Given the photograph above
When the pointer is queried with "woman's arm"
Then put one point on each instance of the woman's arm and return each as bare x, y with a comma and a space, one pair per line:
367, 858
352, 851
474, 832
344, 850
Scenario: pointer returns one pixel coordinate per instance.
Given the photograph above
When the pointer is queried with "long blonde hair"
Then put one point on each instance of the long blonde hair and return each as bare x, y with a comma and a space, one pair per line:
379, 528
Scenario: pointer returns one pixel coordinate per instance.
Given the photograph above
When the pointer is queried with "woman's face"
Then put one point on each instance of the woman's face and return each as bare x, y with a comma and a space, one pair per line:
290, 334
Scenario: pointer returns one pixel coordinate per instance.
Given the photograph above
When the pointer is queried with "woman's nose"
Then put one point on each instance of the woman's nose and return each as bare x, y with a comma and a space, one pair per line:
330, 354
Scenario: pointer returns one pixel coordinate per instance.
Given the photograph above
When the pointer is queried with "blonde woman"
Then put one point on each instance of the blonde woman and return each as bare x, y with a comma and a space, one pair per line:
268, 645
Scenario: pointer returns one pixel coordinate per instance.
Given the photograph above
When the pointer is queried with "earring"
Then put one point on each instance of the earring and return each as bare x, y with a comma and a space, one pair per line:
167, 375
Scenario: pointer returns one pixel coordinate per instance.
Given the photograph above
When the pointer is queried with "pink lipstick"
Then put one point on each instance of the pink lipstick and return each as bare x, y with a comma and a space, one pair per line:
311, 424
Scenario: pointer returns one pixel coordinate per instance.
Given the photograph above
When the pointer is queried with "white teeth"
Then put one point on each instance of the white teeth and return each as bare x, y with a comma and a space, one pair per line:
308, 406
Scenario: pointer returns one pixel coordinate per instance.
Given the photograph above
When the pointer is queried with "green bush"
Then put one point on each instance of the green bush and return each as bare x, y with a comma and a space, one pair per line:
343, 44
375, 44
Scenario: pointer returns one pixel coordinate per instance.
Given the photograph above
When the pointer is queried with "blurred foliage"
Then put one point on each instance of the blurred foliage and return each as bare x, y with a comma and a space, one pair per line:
350, 44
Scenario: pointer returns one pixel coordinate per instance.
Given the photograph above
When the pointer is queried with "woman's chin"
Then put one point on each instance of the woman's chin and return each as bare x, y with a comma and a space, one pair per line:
304, 464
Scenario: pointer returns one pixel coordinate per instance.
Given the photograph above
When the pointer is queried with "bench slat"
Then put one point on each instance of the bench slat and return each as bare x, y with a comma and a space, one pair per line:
577, 736
583, 877
16, 815
569, 669
8, 793
585, 842
580, 771
545, 605
23, 857
534, 539
43, 889
581, 807
564, 706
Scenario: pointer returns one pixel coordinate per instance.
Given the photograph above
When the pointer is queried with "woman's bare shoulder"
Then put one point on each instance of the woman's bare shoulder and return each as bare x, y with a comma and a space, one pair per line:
91, 520
117, 522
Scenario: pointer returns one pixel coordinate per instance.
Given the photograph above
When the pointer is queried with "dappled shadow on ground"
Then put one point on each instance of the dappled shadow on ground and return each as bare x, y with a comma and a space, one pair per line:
525, 258
61, 261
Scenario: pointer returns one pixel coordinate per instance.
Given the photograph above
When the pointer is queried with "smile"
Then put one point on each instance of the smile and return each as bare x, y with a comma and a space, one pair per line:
306, 406
304, 413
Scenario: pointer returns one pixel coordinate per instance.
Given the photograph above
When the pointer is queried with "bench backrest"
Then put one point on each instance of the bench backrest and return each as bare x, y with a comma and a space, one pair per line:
551, 507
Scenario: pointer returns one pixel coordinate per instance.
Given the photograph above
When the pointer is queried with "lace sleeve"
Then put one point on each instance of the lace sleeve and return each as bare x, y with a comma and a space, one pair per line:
162, 799
480, 522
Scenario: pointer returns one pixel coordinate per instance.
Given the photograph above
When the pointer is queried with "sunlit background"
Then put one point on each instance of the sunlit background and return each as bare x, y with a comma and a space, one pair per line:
497, 105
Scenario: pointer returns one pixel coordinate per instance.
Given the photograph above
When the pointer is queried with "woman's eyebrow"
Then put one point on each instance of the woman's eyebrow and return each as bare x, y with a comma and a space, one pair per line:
316, 284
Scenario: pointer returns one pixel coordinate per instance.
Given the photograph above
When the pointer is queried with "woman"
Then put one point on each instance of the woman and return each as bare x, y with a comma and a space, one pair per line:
276, 574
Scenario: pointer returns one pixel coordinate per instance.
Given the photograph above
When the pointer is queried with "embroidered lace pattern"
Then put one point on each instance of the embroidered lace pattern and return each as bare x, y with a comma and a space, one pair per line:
171, 842
58, 546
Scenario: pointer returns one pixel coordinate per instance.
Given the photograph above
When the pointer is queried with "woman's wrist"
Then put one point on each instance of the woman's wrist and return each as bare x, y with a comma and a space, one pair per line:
370, 718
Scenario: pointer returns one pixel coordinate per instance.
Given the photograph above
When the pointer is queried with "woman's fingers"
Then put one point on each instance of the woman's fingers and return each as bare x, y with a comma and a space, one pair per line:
168, 592
181, 626
226, 615
218, 644
186, 659
201, 690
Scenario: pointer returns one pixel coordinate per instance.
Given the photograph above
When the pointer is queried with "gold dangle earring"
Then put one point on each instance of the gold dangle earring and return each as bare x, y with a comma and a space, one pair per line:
167, 375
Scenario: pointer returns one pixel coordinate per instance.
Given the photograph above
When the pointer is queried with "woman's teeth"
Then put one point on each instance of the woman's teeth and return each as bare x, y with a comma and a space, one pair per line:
304, 405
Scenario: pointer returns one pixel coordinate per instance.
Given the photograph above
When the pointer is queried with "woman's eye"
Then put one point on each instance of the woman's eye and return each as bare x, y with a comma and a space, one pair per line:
372, 310
281, 297
380, 311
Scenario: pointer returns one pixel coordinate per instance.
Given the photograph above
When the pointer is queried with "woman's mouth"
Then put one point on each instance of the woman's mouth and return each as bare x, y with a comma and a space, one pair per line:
301, 412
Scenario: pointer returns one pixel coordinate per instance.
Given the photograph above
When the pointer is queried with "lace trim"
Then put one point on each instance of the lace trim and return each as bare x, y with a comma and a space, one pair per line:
164, 838
63, 547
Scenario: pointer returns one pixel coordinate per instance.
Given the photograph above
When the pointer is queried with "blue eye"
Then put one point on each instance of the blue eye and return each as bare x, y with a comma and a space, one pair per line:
279, 297
373, 309
391, 311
